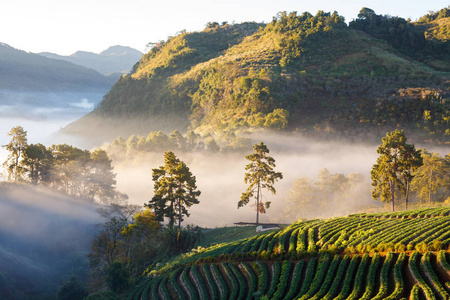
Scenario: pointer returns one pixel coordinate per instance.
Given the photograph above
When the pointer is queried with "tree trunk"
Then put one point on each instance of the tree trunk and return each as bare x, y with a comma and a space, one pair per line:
392, 194
429, 186
407, 195
257, 204
179, 214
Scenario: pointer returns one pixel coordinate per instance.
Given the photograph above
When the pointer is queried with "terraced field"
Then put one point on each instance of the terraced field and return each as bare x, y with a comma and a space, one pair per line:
364, 256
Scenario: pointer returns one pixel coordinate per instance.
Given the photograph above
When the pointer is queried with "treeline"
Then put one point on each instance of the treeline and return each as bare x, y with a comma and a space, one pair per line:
158, 142
433, 16
82, 173
403, 34
324, 196
329, 195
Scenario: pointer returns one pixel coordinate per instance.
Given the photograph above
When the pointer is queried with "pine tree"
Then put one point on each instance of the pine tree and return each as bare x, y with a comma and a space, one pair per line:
260, 175
175, 190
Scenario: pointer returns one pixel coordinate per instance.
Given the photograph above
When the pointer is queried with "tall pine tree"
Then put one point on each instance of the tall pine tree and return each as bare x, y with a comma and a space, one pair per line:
175, 190
260, 175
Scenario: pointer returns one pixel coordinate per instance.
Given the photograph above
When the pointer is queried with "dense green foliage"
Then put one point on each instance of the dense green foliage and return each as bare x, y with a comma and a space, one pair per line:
301, 71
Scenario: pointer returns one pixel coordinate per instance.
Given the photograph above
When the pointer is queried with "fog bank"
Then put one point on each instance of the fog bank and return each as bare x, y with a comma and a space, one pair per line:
220, 176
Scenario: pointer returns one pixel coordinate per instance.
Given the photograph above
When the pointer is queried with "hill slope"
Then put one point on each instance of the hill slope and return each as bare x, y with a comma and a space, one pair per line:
364, 256
308, 72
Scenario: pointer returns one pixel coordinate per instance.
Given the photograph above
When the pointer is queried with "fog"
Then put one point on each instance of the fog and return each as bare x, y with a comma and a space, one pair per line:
44, 238
42, 114
220, 177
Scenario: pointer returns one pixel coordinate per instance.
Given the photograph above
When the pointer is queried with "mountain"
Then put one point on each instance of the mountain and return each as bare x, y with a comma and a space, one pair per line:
309, 73
23, 71
114, 60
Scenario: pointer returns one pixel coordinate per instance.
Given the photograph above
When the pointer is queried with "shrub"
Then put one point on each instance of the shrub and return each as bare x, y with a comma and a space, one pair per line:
71, 289
117, 277
437, 246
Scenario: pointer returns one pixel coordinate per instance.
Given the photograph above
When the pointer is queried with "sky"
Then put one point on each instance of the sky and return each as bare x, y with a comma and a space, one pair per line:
66, 26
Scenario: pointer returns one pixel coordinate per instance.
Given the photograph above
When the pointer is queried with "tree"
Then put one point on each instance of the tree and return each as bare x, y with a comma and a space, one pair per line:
16, 147
143, 241
102, 180
412, 160
117, 277
302, 198
38, 160
260, 175
393, 167
432, 178
175, 190
71, 289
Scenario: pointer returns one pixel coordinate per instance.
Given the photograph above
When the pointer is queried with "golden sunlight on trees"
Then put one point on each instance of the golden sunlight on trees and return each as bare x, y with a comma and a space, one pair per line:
394, 167
175, 190
260, 174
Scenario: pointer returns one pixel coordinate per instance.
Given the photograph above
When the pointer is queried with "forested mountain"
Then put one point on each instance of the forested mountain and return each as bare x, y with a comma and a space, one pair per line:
115, 59
23, 71
312, 73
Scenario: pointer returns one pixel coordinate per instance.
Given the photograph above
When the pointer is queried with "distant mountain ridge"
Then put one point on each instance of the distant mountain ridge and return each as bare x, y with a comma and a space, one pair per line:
24, 71
115, 59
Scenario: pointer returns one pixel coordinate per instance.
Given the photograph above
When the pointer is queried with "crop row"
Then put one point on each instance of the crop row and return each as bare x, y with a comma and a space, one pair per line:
351, 234
323, 277
417, 213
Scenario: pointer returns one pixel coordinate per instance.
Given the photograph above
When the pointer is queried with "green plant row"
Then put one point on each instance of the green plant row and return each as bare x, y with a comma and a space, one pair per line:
252, 279
371, 277
420, 212
318, 277
283, 281
432, 277
384, 277
212, 286
417, 276
359, 279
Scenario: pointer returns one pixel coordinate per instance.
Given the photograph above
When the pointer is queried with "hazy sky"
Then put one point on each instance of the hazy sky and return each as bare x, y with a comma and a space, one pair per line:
65, 26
